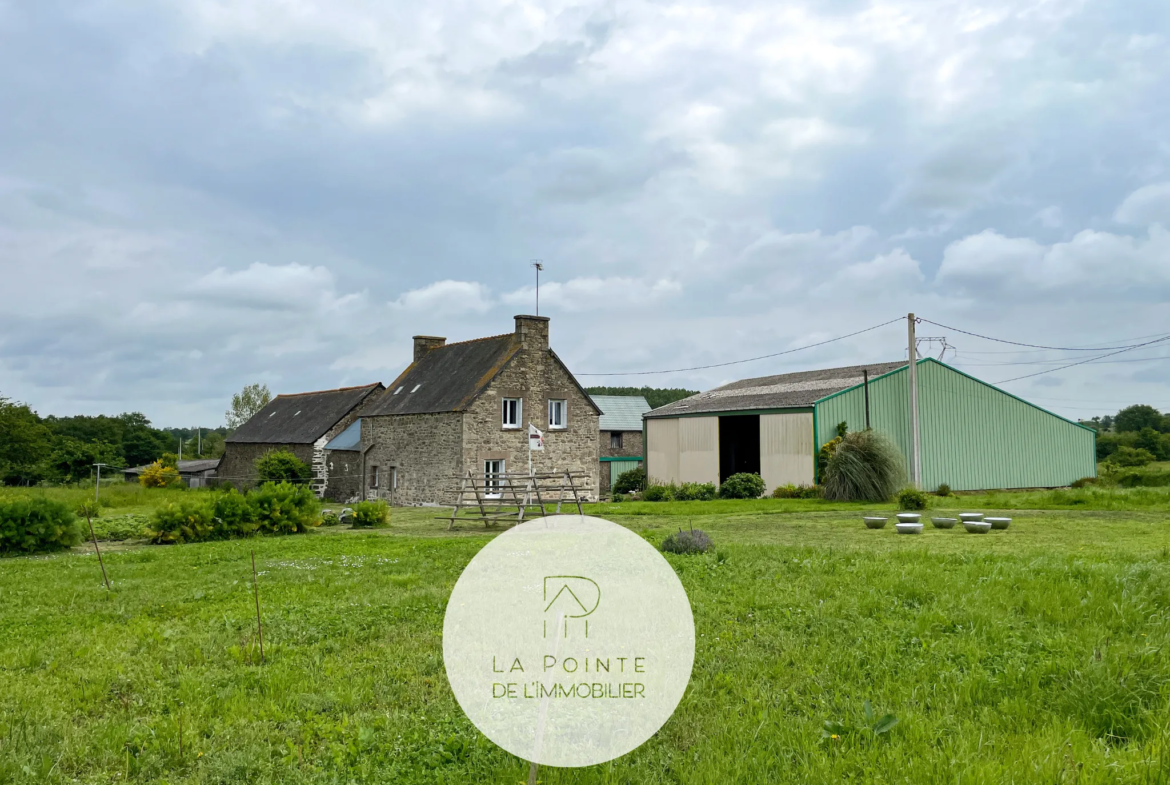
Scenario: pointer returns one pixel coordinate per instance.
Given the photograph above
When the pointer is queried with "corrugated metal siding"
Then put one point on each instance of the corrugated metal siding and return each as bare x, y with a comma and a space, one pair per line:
786, 449
618, 468
698, 441
973, 436
662, 450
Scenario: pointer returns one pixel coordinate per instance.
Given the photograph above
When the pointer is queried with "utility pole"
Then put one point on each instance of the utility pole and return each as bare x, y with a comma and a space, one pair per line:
539, 266
865, 382
180, 445
199, 431
915, 461
98, 485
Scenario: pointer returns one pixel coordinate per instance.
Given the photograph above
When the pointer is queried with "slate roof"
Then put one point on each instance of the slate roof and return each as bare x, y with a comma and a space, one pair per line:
302, 418
621, 412
185, 467
349, 439
785, 391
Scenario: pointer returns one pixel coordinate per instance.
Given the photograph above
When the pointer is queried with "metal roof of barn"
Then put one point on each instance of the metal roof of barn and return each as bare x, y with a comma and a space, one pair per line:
184, 467
302, 418
349, 439
621, 412
784, 391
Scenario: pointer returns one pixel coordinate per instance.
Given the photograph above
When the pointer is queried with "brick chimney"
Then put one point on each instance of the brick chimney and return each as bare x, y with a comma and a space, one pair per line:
532, 331
424, 343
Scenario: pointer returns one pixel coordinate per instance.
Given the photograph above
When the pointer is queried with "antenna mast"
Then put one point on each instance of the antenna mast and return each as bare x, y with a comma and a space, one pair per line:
539, 266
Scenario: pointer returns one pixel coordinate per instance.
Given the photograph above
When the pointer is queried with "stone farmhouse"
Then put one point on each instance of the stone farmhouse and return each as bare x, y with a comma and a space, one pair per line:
621, 435
466, 407
302, 424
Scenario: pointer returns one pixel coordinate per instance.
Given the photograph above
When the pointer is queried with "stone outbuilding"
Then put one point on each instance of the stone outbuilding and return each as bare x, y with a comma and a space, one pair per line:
466, 407
620, 443
302, 423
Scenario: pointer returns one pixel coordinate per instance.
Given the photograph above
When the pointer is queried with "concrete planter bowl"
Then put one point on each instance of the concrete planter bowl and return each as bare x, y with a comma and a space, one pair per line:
944, 523
908, 528
998, 523
909, 517
970, 516
874, 522
977, 527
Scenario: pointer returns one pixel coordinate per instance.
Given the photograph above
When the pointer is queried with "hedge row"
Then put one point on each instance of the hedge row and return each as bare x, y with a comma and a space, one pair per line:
272, 508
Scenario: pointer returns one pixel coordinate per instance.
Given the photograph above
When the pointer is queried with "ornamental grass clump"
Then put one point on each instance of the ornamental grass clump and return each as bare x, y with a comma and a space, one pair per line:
37, 524
865, 467
686, 542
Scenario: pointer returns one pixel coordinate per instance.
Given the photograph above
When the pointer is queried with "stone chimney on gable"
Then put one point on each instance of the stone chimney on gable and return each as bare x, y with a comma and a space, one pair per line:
424, 343
532, 332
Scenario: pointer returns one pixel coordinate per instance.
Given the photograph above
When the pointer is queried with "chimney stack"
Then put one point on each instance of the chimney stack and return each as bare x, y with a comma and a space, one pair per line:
424, 343
532, 331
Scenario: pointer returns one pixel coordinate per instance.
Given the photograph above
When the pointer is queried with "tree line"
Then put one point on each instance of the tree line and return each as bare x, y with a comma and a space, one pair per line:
655, 396
1137, 427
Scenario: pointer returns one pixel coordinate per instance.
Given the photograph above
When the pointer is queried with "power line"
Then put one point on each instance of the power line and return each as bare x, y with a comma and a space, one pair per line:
1049, 348
1082, 362
749, 359
1063, 359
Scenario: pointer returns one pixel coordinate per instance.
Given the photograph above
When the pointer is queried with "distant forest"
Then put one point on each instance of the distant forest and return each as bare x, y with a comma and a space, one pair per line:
655, 396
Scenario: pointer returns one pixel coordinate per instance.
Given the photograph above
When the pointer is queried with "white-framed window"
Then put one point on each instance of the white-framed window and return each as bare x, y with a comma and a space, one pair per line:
558, 411
512, 412
615, 440
493, 478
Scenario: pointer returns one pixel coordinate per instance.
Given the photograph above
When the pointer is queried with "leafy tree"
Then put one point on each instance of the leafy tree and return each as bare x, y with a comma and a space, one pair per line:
655, 396
280, 466
142, 444
24, 443
246, 403
1153, 442
1134, 418
1107, 422
72, 459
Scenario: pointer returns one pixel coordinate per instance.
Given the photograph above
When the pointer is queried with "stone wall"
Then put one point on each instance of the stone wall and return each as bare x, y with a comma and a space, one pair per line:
344, 480
319, 464
631, 445
237, 468
422, 449
534, 376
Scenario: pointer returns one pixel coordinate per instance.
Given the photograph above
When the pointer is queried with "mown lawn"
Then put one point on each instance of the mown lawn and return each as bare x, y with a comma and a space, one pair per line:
1039, 654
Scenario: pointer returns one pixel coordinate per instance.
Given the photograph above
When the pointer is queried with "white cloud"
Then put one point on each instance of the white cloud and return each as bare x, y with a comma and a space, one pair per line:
1147, 205
445, 297
596, 294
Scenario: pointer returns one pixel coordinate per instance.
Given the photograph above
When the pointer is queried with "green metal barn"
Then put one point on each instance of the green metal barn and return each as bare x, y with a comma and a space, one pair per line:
973, 436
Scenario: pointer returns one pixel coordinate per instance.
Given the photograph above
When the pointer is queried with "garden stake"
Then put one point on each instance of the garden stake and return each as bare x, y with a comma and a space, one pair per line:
256, 587
97, 550
532, 773
180, 735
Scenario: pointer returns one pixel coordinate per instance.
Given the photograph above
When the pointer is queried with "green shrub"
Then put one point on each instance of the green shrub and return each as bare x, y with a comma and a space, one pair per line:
657, 493
943, 489
1131, 456
330, 519
695, 491
866, 466
284, 508
1142, 479
35, 525
159, 475
686, 542
630, 481
121, 527
742, 486
911, 499
791, 491
371, 515
1083, 482
233, 516
281, 466
185, 521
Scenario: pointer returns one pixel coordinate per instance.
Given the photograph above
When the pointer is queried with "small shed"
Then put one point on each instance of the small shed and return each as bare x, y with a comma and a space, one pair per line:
973, 436
620, 443
196, 474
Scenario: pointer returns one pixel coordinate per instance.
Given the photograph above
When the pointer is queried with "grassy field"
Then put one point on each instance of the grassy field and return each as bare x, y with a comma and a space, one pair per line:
1039, 654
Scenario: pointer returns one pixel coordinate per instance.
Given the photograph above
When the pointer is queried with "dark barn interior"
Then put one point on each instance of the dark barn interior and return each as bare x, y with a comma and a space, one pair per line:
739, 445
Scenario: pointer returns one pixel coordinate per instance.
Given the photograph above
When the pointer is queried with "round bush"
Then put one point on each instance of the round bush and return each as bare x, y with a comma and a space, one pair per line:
695, 491
36, 525
911, 499
657, 493
232, 516
943, 489
371, 515
742, 486
185, 521
284, 508
630, 481
281, 466
686, 542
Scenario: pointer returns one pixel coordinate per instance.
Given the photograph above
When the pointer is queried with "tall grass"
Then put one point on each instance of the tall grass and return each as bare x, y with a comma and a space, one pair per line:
866, 466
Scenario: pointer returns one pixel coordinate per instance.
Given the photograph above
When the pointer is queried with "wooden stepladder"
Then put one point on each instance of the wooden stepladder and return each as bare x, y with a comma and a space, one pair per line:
494, 497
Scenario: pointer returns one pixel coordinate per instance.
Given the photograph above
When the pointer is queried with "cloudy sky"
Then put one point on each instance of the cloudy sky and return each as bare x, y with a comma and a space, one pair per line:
196, 195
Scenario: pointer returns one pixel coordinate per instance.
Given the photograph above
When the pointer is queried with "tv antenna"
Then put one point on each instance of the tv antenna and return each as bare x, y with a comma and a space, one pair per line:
539, 265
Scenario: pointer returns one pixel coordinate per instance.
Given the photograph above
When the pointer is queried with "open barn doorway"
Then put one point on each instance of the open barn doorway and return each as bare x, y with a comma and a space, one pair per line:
739, 445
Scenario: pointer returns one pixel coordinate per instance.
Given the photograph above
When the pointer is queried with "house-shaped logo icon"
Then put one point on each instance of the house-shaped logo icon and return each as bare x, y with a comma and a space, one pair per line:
568, 597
